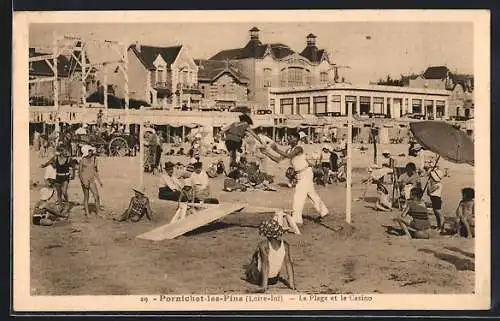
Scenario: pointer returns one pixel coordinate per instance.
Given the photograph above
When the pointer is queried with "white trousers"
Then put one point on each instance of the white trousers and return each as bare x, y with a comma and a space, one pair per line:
305, 189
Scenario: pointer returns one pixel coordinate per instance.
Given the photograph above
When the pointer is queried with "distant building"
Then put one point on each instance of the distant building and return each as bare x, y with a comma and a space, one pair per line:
161, 76
270, 65
222, 84
68, 75
367, 101
460, 86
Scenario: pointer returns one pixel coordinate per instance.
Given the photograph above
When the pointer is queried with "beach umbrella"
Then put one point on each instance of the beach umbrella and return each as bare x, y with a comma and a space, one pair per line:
445, 140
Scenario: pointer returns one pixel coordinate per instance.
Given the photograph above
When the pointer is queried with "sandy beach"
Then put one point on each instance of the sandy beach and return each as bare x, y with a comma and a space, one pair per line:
99, 256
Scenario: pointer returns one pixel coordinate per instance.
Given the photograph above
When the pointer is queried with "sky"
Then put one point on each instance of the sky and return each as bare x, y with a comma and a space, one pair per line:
372, 50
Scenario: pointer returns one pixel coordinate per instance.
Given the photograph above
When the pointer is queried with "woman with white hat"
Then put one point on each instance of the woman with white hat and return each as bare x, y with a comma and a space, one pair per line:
435, 191
88, 173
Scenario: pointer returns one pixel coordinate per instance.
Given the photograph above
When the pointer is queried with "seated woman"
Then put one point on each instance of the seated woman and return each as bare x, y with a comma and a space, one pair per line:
383, 198
199, 183
414, 219
269, 257
408, 180
465, 214
137, 208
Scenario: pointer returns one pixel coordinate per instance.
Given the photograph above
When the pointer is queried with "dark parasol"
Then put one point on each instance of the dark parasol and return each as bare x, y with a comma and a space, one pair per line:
445, 140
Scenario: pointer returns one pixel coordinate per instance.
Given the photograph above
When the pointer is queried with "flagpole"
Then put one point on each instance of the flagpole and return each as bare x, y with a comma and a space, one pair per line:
349, 166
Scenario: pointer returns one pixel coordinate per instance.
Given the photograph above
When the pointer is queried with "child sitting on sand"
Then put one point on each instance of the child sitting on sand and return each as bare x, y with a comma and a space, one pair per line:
414, 217
465, 213
269, 257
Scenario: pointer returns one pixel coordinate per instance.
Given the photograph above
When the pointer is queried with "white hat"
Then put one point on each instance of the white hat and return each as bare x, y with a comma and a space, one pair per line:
139, 189
46, 193
86, 150
436, 175
302, 135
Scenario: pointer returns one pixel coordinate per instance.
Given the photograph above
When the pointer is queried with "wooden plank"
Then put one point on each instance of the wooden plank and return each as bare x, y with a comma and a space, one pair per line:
191, 222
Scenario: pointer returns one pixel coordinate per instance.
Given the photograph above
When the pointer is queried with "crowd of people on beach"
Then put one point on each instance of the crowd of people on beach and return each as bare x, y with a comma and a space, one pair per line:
248, 150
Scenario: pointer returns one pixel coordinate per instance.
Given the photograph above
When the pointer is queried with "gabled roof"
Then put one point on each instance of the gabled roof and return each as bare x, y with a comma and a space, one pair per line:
210, 70
148, 54
254, 49
312, 53
436, 72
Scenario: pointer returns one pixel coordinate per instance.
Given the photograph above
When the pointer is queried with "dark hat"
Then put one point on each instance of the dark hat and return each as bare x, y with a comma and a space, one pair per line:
169, 165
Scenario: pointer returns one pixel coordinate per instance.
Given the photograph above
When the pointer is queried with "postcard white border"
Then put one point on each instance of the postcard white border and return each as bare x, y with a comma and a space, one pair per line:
23, 301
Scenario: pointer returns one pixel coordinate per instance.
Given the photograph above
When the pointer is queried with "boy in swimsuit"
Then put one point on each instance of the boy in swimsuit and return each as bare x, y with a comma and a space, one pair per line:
89, 174
269, 257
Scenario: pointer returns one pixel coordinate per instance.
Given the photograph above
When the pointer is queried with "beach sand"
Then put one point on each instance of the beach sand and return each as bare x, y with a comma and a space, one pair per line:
98, 256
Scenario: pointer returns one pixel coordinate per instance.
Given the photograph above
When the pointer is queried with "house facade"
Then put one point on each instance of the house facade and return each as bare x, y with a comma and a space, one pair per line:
165, 77
271, 65
461, 87
222, 85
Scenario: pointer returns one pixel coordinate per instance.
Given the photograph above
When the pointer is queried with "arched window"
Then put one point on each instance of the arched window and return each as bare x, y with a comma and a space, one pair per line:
295, 76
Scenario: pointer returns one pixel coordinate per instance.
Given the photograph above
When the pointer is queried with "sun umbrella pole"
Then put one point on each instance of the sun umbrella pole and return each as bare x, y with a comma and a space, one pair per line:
433, 168
349, 167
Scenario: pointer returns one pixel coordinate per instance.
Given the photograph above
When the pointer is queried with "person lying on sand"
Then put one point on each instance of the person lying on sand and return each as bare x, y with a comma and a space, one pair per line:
269, 257
414, 219
46, 211
137, 208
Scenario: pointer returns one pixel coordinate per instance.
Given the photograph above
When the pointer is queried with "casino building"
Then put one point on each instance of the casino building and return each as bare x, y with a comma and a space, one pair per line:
270, 65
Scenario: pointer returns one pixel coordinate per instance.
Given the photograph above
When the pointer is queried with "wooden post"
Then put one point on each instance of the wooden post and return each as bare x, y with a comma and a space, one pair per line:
55, 50
83, 66
183, 133
126, 90
349, 165
105, 90
141, 150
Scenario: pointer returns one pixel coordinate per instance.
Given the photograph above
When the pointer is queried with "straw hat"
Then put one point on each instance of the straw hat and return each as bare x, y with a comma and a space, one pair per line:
302, 135
271, 229
46, 193
436, 175
139, 189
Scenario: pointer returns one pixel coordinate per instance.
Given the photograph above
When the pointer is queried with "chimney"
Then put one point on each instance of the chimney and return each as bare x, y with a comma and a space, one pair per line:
254, 33
137, 46
311, 40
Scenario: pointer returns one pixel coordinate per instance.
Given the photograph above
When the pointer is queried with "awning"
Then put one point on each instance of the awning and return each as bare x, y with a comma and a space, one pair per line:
162, 92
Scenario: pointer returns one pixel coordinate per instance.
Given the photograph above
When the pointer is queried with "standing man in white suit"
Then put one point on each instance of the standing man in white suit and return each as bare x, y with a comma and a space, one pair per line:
305, 185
